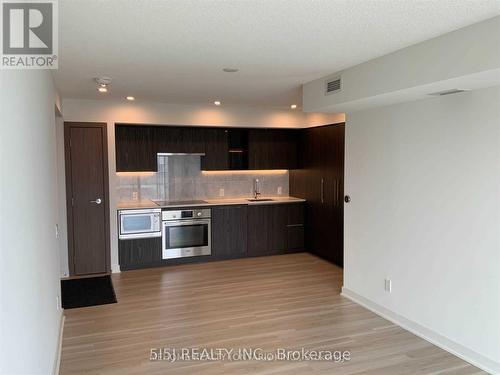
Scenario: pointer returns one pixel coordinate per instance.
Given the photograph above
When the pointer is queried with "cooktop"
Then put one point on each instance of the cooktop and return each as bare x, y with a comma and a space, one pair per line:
180, 203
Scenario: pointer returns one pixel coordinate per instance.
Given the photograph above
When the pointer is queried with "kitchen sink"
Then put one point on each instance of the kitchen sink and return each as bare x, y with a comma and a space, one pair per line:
260, 200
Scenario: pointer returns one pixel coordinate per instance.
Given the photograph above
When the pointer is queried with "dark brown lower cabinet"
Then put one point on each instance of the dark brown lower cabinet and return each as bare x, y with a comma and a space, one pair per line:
139, 253
238, 231
275, 228
295, 233
229, 232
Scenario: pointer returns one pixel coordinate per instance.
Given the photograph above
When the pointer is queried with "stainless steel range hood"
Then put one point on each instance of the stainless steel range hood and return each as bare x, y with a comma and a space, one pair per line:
180, 154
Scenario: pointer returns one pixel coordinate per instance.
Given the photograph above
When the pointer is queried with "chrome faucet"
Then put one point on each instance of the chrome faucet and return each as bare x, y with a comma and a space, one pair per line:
256, 188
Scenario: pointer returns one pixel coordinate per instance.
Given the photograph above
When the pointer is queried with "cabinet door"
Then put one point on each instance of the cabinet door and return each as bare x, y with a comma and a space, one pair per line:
258, 149
193, 140
320, 181
216, 150
295, 227
332, 209
135, 149
272, 149
258, 229
277, 235
229, 231
179, 139
139, 252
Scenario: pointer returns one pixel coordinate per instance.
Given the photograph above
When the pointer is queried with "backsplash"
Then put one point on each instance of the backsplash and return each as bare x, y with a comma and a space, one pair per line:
180, 178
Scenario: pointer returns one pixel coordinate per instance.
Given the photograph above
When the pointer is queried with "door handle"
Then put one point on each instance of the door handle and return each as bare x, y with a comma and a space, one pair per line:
322, 190
97, 201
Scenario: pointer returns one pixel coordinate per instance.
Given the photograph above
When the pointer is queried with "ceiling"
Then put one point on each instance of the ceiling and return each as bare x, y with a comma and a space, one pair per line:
174, 50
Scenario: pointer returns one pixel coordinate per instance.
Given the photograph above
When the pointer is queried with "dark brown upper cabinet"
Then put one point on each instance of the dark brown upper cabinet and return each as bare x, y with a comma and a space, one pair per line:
216, 150
272, 148
135, 148
177, 139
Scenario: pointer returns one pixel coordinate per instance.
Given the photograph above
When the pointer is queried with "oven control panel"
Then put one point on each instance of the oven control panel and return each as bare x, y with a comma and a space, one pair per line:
194, 213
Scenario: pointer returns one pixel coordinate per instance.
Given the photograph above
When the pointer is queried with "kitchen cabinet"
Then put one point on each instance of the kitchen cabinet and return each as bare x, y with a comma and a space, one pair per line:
272, 148
135, 149
139, 253
237, 231
275, 228
177, 139
216, 150
295, 227
229, 231
320, 180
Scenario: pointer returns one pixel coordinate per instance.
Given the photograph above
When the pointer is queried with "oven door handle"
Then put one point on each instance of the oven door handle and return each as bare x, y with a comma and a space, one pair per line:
172, 223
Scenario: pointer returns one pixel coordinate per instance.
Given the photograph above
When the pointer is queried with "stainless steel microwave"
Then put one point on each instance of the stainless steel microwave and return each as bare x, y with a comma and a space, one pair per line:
142, 223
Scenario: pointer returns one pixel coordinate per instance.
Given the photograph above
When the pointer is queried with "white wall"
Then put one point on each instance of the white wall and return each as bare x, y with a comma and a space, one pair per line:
29, 267
466, 58
139, 112
424, 178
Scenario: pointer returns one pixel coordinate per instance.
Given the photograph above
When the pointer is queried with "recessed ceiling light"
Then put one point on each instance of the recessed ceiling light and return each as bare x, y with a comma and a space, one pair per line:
293, 106
130, 98
102, 89
230, 70
217, 102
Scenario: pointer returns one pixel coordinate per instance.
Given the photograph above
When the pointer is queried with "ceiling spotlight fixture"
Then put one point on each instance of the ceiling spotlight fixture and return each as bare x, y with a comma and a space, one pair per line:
217, 102
130, 98
103, 83
230, 70
293, 106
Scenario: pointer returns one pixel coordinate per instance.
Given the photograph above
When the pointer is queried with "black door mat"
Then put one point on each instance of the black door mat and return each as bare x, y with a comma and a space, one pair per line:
85, 292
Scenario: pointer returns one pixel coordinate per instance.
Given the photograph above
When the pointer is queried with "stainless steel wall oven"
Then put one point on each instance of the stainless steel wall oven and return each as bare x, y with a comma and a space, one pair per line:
186, 233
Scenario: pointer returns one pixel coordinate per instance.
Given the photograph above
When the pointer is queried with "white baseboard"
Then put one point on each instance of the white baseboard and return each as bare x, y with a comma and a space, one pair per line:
57, 362
474, 358
115, 268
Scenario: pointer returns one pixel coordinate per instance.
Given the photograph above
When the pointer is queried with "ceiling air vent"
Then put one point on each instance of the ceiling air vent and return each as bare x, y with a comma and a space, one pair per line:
447, 92
333, 85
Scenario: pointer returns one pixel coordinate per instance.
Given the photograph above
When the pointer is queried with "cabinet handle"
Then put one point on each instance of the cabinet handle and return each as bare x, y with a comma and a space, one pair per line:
322, 191
294, 225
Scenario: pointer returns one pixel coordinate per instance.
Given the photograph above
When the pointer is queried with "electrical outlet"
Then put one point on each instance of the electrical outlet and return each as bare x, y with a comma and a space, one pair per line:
135, 195
280, 190
221, 192
388, 285
57, 230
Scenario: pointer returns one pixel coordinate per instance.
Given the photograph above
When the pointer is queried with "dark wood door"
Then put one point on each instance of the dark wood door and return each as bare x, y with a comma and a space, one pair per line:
87, 198
229, 232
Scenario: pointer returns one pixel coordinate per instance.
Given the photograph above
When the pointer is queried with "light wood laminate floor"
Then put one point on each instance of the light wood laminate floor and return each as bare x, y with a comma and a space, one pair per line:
288, 301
